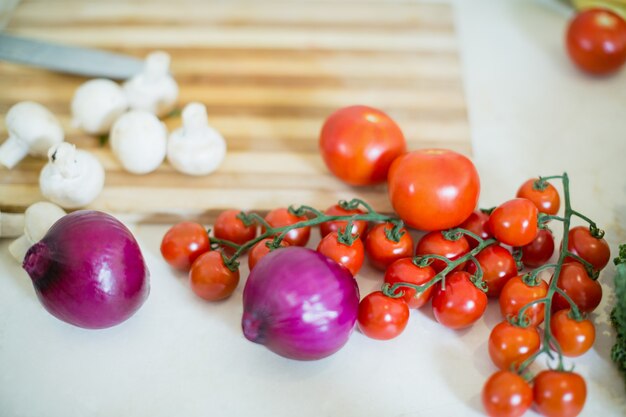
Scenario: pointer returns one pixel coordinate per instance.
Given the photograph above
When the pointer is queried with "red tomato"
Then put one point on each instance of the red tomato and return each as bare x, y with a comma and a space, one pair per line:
506, 394
547, 200
281, 217
434, 243
359, 227
359, 143
183, 243
574, 337
540, 250
381, 251
595, 251
559, 393
510, 345
404, 270
260, 250
596, 41
514, 222
460, 304
477, 224
516, 294
433, 189
585, 292
498, 266
211, 279
381, 317
229, 227
349, 256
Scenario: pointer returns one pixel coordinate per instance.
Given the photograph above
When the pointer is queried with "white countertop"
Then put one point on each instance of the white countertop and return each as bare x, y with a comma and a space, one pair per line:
531, 113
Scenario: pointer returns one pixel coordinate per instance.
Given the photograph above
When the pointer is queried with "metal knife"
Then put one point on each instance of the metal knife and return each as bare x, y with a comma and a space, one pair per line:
68, 59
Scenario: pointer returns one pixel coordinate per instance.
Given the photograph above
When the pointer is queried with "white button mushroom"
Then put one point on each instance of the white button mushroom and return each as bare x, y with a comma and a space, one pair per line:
139, 141
71, 178
11, 224
96, 105
154, 89
32, 130
196, 148
39, 217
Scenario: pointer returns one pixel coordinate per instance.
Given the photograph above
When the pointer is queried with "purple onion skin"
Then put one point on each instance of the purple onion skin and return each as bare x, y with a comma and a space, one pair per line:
299, 304
88, 270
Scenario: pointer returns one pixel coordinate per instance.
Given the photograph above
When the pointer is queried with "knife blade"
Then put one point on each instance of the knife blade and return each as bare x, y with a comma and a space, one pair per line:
68, 59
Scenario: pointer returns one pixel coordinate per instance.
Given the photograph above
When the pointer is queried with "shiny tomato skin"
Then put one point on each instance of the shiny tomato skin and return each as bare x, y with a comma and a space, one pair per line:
404, 270
514, 222
359, 143
281, 217
516, 294
211, 279
183, 243
575, 282
596, 41
349, 256
381, 251
359, 227
595, 251
434, 243
506, 394
433, 189
574, 337
460, 304
547, 200
260, 249
511, 345
498, 267
381, 317
477, 223
559, 393
540, 250
228, 227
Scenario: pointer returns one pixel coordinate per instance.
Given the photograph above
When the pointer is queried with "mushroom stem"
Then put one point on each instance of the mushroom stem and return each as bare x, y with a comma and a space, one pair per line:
194, 117
19, 247
12, 151
63, 158
157, 65
11, 224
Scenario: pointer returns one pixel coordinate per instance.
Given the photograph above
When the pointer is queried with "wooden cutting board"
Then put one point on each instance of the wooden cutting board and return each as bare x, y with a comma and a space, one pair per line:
269, 73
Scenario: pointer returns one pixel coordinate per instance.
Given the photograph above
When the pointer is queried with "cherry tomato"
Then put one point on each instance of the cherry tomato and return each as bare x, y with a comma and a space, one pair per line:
498, 266
477, 224
460, 303
434, 243
281, 217
404, 270
433, 189
381, 251
540, 250
359, 227
183, 243
349, 256
359, 143
574, 337
585, 292
506, 394
547, 200
260, 250
381, 317
595, 251
510, 345
559, 393
596, 41
516, 294
514, 222
211, 279
229, 227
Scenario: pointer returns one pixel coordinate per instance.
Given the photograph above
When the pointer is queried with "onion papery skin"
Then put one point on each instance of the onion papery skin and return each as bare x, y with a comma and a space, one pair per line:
300, 304
88, 270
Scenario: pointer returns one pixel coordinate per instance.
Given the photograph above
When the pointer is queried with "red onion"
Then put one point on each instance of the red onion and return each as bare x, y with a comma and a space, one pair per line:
88, 270
299, 304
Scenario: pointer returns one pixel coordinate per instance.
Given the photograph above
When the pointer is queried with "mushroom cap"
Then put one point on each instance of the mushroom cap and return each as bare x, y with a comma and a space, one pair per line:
96, 105
139, 141
39, 218
34, 126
